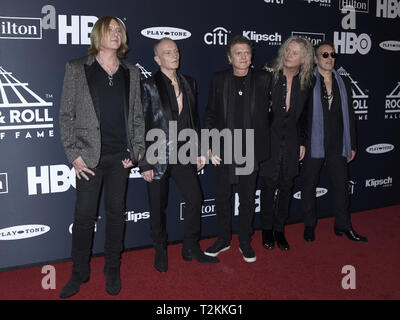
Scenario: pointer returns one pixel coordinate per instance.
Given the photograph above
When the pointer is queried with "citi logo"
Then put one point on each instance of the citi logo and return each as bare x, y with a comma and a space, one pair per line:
390, 45
219, 36
356, 5
387, 182
322, 3
388, 9
392, 103
313, 37
380, 148
161, 32
274, 1
319, 192
20, 28
23, 232
273, 39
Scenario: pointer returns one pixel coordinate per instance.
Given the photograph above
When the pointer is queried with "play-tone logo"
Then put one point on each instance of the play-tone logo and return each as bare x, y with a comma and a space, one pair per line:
161, 32
23, 231
380, 148
391, 45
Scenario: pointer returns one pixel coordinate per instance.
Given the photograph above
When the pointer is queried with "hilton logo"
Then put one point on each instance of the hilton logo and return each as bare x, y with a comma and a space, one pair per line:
20, 28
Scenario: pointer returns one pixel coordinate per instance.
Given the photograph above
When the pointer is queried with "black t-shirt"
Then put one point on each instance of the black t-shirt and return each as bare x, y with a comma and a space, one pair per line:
111, 107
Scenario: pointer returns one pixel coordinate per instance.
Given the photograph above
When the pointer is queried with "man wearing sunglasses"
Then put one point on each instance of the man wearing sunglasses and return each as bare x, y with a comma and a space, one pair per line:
331, 140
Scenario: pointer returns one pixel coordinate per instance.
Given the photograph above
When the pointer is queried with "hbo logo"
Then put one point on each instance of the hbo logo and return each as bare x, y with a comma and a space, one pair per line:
350, 43
388, 8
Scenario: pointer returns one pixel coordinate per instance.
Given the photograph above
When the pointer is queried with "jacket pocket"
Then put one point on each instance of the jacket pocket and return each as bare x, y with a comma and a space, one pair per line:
82, 138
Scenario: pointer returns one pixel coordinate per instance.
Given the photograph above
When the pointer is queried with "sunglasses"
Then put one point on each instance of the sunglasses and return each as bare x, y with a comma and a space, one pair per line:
332, 54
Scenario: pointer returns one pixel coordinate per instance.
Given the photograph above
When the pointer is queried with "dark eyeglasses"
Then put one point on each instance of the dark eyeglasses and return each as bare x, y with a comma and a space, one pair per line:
332, 54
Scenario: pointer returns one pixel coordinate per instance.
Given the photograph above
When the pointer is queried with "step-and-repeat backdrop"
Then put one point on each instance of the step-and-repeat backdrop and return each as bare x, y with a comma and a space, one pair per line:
37, 38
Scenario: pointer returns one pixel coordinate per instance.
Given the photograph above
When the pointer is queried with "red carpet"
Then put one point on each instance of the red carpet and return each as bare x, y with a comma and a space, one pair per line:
308, 271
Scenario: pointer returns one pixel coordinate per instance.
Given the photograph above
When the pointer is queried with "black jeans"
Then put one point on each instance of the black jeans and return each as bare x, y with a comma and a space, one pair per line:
337, 168
187, 181
223, 201
111, 174
275, 202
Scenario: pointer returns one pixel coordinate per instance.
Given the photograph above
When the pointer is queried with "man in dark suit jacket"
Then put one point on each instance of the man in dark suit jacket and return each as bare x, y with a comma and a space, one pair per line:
102, 131
331, 140
169, 97
238, 99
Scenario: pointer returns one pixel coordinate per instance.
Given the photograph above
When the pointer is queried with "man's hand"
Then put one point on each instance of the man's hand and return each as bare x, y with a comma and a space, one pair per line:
353, 155
302, 152
81, 169
201, 162
215, 160
148, 175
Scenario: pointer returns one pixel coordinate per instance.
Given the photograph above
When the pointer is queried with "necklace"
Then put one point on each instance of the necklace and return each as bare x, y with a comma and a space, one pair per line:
179, 88
110, 72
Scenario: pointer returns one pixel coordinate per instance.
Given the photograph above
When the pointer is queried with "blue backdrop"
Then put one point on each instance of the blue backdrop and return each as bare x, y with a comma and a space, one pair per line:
38, 37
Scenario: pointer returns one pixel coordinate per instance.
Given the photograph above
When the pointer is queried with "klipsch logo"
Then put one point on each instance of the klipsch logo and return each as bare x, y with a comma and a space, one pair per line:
23, 232
357, 5
319, 192
23, 113
387, 182
322, 3
161, 32
359, 97
392, 104
313, 37
271, 39
380, 148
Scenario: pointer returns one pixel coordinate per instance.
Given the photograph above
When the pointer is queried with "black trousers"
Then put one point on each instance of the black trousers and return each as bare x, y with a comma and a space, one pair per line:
223, 202
111, 174
187, 181
276, 196
337, 168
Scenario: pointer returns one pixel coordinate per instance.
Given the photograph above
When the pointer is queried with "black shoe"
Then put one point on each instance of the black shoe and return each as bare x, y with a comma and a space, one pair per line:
247, 252
195, 253
113, 280
161, 258
351, 235
309, 234
73, 285
218, 247
268, 240
281, 241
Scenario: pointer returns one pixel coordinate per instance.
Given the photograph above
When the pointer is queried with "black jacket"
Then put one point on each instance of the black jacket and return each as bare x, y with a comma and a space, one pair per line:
286, 136
220, 105
157, 111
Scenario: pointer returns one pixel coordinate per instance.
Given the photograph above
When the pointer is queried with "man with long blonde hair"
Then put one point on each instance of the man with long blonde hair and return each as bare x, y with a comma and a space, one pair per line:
102, 131
290, 90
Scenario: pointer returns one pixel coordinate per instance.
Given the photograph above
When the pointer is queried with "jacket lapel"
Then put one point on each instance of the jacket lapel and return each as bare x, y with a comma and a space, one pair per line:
89, 72
162, 91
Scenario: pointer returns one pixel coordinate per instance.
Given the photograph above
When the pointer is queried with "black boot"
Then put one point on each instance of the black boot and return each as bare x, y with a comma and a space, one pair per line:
113, 280
161, 258
281, 241
79, 275
351, 234
268, 240
194, 252
309, 234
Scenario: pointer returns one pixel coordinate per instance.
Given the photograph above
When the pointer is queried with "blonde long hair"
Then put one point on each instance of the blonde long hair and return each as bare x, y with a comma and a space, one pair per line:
100, 29
306, 68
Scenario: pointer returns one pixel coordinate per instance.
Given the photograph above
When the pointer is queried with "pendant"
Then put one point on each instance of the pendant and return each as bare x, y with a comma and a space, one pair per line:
110, 81
240, 92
